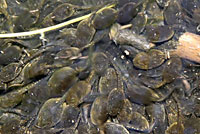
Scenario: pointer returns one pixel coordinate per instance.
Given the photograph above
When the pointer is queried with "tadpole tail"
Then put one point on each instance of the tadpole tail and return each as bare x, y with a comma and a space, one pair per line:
165, 96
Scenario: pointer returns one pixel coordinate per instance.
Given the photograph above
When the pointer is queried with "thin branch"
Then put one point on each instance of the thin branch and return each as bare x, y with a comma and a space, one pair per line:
43, 30
51, 28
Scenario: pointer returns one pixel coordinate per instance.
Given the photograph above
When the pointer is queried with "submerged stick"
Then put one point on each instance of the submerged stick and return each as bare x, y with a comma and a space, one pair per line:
44, 30
51, 28
188, 48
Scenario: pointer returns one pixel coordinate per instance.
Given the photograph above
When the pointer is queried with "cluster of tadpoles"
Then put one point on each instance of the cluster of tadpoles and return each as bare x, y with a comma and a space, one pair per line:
188, 45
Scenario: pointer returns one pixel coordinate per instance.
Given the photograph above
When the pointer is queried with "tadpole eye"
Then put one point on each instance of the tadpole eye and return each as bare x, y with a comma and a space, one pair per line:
21, 1
2, 15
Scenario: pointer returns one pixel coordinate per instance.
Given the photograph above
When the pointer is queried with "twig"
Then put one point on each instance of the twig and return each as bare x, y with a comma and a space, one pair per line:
51, 28
44, 30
